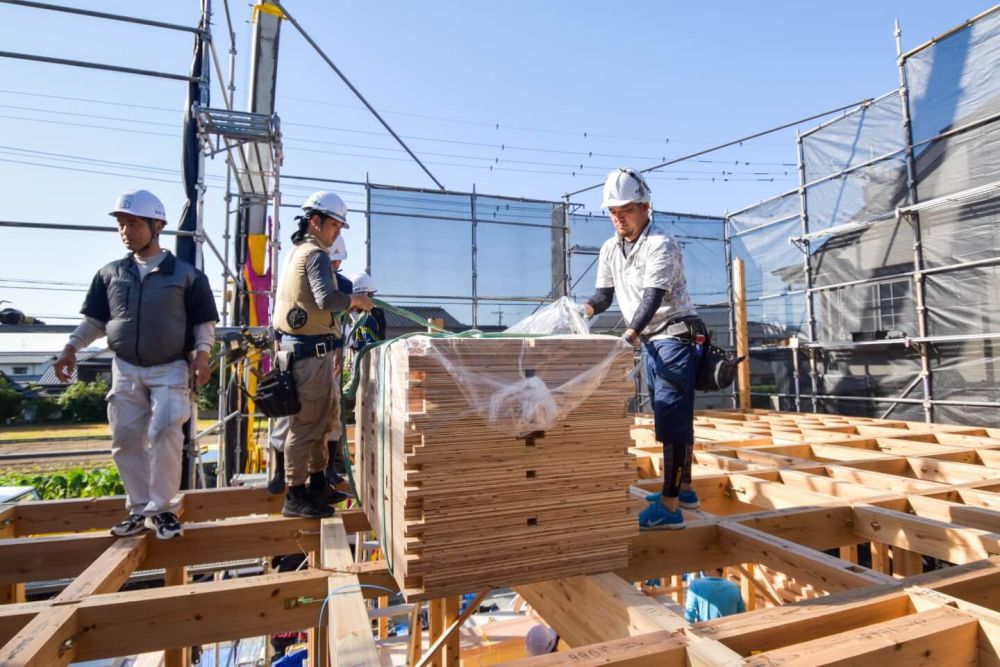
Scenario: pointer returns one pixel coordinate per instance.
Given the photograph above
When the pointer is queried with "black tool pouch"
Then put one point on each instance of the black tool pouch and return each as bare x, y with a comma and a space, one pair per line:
276, 393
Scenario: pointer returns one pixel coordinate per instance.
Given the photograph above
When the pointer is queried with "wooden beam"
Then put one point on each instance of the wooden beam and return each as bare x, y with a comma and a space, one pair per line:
8, 520
760, 585
111, 569
817, 528
824, 572
925, 536
44, 558
592, 609
349, 628
774, 495
653, 649
48, 640
937, 637
655, 554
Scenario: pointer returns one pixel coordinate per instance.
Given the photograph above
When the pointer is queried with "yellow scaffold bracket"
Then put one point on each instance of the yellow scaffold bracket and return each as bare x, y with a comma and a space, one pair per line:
267, 8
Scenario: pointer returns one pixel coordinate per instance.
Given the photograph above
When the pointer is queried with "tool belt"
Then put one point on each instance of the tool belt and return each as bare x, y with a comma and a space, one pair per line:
308, 347
717, 367
687, 329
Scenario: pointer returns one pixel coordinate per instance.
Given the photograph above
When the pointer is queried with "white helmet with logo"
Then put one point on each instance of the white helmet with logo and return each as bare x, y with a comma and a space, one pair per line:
142, 203
338, 251
625, 186
363, 283
327, 203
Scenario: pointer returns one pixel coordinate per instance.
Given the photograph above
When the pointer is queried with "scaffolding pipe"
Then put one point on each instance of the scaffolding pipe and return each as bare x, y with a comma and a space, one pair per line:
81, 228
807, 269
475, 260
918, 254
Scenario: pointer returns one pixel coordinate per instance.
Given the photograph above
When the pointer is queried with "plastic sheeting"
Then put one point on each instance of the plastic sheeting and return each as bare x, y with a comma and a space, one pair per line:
523, 389
562, 316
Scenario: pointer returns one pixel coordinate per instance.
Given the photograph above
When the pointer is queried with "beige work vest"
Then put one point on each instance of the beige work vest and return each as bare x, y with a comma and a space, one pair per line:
295, 309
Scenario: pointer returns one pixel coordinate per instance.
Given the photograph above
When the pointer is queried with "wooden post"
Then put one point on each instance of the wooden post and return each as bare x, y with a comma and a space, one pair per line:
383, 621
451, 646
849, 553
747, 588
742, 333
12, 593
906, 563
435, 620
416, 635
433, 322
176, 657
880, 557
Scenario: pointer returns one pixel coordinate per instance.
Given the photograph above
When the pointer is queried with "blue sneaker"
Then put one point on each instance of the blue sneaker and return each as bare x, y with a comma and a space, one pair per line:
689, 500
658, 517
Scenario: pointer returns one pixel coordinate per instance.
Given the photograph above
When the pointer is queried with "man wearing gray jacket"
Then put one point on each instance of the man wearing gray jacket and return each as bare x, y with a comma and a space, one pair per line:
159, 316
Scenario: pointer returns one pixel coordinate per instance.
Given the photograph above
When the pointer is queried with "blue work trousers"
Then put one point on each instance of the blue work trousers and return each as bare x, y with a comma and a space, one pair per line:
670, 365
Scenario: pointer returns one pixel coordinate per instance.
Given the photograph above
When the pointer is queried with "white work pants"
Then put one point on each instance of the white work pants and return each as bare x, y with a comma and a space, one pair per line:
147, 408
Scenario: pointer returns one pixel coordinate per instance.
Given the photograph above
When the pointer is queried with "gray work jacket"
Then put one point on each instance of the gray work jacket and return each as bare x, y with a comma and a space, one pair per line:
150, 321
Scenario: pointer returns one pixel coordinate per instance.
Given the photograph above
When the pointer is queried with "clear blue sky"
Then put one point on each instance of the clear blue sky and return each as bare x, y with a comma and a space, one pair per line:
564, 86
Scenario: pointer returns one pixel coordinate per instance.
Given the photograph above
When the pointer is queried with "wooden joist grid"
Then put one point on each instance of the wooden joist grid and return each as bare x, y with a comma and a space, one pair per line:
787, 494
830, 516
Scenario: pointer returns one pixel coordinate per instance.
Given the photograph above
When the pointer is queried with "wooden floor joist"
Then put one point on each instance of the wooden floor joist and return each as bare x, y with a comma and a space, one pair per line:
891, 498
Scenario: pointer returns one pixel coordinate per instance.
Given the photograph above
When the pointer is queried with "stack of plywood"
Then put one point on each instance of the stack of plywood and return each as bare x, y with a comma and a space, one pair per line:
461, 503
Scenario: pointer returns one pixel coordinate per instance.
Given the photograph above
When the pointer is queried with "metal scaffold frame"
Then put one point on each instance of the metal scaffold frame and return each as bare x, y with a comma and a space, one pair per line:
909, 211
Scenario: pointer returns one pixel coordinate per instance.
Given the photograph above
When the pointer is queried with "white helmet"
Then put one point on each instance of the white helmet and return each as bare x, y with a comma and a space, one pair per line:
363, 283
327, 203
142, 203
541, 639
338, 250
625, 186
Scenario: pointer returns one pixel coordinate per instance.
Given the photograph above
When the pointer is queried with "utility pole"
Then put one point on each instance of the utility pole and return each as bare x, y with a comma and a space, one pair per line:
499, 313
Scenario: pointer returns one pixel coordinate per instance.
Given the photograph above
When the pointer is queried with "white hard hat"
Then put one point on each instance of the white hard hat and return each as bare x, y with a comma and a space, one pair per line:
338, 250
625, 186
363, 283
142, 203
541, 639
327, 203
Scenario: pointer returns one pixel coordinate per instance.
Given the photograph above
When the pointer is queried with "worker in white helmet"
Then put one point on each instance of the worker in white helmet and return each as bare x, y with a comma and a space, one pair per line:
367, 328
306, 315
159, 316
642, 266
279, 429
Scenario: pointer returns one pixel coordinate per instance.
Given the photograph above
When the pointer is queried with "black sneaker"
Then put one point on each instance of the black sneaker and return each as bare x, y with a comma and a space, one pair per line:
322, 492
276, 474
300, 503
133, 525
166, 525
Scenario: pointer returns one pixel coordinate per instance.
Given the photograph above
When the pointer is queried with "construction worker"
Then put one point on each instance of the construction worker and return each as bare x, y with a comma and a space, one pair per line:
159, 316
279, 429
306, 317
367, 328
712, 596
642, 265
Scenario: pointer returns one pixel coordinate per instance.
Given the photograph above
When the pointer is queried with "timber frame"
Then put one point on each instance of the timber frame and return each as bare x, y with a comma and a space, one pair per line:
777, 489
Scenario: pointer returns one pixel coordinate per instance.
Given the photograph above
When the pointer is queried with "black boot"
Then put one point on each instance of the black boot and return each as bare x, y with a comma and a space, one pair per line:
322, 492
300, 503
276, 474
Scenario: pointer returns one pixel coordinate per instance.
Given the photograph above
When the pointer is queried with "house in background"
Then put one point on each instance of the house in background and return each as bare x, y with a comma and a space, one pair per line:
25, 367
